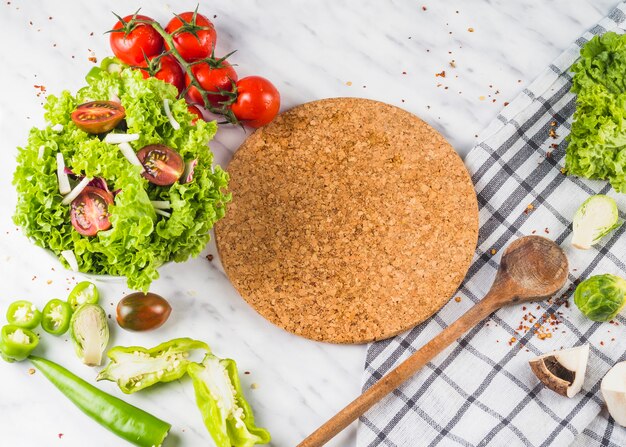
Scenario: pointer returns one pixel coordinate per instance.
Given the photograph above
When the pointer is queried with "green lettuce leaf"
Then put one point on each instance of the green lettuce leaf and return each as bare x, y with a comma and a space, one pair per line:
597, 142
139, 241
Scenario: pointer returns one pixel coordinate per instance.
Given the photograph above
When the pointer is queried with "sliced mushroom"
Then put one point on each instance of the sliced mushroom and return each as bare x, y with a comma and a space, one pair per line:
613, 389
562, 371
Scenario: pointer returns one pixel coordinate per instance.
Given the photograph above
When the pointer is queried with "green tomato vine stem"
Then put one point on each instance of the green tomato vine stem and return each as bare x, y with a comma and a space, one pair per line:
193, 81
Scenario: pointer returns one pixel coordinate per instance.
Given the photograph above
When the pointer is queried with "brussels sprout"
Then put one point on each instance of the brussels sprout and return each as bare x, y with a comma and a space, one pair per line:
89, 331
601, 297
594, 219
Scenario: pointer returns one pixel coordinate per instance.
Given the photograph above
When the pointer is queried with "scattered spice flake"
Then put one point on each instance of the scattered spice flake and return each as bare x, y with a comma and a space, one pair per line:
404, 72
548, 154
470, 29
91, 33
553, 123
254, 386
246, 372
452, 63
349, 83
512, 340
60, 435
49, 282
601, 343
93, 59
457, 299
424, 8
34, 277
529, 208
50, 18
209, 257
546, 231
506, 104
482, 98
494, 251
31, 371
553, 134
441, 75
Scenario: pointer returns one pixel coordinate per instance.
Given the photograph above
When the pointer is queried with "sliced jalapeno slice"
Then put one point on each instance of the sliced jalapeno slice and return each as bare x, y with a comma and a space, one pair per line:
16, 343
23, 314
56, 317
83, 293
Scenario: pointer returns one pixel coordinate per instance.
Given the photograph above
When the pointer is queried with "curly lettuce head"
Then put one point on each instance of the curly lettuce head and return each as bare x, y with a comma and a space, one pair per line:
139, 240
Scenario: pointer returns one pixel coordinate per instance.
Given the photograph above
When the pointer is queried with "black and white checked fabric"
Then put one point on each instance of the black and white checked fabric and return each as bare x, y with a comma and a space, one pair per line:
480, 391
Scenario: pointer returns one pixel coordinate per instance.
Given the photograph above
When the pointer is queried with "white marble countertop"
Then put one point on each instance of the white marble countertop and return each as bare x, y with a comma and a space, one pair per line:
389, 51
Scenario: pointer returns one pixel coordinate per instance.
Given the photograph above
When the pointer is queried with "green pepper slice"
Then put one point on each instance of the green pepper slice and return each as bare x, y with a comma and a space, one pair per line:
226, 413
84, 292
134, 368
23, 314
16, 343
56, 317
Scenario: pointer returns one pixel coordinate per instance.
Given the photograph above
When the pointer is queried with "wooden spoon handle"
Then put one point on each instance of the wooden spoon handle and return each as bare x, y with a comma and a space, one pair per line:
402, 372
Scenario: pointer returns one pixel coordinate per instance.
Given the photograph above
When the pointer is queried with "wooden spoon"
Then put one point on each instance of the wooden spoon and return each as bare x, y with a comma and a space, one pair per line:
532, 268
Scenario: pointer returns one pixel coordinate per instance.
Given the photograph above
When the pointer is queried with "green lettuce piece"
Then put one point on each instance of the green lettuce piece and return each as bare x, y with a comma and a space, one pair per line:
597, 141
139, 241
225, 411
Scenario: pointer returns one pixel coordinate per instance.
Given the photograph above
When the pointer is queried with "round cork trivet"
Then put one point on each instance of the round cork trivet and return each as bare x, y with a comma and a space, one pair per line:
351, 221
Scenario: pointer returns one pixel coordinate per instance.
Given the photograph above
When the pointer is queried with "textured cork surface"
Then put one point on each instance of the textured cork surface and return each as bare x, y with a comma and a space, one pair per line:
351, 221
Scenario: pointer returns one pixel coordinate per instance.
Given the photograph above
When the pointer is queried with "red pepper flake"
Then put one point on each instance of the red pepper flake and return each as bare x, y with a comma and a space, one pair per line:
91, 33
529, 208
209, 257
601, 343
246, 372
513, 340
546, 231
60, 435
50, 18
506, 104
553, 134
457, 299
441, 75
93, 59
424, 8
404, 72
554, 146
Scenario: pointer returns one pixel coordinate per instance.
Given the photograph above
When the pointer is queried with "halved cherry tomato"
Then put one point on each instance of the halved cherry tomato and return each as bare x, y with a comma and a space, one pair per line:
212, 79
193, 34
257, 101
194, 110
166, 69
163, 165
98, 116
90, 211
130, 40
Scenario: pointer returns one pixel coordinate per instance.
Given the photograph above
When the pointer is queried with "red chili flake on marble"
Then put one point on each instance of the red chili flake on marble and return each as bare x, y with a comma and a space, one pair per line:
404, 72
246, 372
548, 154
601, 343
424, 8
547, 231
209, 257
60, 435
441, 75
506, 104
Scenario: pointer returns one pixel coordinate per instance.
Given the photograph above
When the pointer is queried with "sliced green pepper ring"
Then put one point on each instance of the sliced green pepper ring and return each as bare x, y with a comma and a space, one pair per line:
83, 293
16, 343
56, 317
23, 314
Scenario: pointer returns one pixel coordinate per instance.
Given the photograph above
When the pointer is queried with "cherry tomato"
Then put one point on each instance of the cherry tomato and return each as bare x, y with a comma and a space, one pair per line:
166, 69
194, 110
130, 40
163, 165
142, 312
212, 79
89, 211
257, 101
194, 36
98, 116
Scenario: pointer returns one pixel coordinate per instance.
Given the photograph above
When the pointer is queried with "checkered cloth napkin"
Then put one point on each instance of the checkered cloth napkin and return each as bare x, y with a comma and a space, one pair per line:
480, 391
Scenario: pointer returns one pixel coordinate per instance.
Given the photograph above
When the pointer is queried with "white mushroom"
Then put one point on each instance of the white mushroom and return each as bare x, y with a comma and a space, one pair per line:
613, 388
562, 371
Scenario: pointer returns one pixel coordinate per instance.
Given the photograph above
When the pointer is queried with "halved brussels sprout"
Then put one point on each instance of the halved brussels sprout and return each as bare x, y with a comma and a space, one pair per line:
594, 219
89, 331
601, 297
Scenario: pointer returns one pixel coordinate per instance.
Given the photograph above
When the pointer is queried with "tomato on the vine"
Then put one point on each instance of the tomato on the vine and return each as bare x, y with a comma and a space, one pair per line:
257, 101
166, 68
194, 110
89, 211
193, 34
212, 77
131, 40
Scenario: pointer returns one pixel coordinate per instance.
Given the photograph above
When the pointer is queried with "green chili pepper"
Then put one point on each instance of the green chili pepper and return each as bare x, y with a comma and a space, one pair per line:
56, 317
135, 368
83, 293
225, 411
17, 343
126, 421
23, 314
